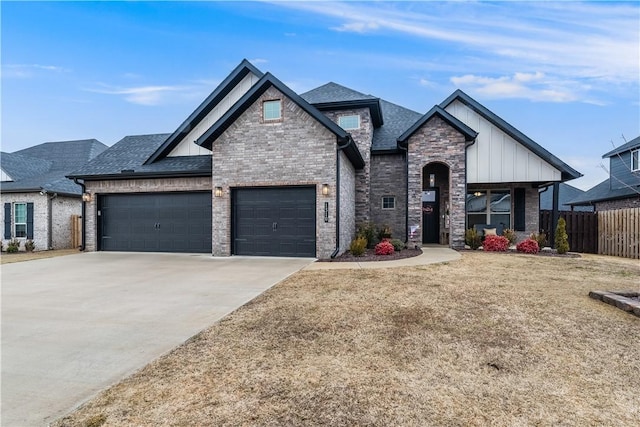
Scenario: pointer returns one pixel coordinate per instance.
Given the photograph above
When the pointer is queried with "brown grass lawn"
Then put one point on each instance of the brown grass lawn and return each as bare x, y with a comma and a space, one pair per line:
7, 258
491, 339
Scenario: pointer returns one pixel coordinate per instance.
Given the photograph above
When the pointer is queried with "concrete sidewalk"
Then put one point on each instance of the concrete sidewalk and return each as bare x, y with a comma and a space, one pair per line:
74, 325
430, 255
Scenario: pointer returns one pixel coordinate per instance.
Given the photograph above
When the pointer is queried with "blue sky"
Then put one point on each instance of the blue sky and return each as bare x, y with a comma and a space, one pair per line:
567, 74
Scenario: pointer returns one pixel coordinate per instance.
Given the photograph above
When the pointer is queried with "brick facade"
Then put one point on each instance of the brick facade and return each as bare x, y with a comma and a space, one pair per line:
437, 142
47, 211
609, 205
96, 188
296, 150
389, 178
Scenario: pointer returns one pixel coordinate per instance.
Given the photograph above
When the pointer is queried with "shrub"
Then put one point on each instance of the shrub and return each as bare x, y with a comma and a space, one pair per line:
398, 244
472, 239
29, 245
358, 246
495, 244
510, 235
528, 246
384, 232
541, 238
13, 246
369, 232
561, 237
384, 248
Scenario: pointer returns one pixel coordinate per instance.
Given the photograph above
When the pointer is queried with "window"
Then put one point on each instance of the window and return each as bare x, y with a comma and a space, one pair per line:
388, 202
349, 122
489, 207
20, 219
272, 110
635, 160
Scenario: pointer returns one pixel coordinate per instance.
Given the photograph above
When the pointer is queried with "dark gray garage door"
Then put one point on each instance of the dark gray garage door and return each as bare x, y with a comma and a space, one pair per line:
161, 222
278, 221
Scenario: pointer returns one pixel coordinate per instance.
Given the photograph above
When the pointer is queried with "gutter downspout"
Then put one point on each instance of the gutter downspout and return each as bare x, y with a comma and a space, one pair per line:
84, 216
338, 150
406, 196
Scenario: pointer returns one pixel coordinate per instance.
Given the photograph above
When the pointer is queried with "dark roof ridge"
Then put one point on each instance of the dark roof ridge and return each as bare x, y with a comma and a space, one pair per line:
436, 110
627, 146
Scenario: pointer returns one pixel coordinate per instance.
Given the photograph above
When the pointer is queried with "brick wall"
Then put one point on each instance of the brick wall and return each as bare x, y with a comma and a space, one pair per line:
62, 208
40, 218
609, 205
347, 206
296, 150
436, 141
133, 186
388, 178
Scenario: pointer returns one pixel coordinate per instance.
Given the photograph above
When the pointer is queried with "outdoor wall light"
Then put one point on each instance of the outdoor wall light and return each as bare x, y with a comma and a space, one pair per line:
477, 194
325, 189
432, 180
86, 197
218, 192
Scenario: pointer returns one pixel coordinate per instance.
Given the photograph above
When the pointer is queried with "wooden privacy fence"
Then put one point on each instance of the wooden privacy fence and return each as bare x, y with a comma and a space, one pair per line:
76, 231
582, 229
619, 233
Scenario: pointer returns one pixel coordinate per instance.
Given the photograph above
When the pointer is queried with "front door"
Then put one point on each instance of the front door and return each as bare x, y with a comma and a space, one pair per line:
430, 216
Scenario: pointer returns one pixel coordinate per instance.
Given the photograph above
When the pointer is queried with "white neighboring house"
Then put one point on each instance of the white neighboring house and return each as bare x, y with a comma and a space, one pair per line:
37, 199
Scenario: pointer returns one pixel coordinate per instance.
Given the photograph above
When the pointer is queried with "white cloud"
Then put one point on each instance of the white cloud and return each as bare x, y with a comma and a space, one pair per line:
29, 70
141, 95
358, 27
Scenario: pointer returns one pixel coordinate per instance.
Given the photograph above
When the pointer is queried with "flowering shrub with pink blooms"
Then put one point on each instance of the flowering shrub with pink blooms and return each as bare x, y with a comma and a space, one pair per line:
528, 246
495, 244
384, 248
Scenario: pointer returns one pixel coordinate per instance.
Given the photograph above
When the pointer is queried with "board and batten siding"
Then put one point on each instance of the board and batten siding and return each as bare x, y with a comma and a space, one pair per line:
187, 147
621, 174
496, 157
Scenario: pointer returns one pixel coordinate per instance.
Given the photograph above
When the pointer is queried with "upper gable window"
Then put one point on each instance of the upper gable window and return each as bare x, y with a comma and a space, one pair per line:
272, 110
635, 160
349, 122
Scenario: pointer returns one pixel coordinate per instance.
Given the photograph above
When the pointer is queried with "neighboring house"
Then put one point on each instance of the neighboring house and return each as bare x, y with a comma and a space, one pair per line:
622, 188
38, 200
257, 169
566, 193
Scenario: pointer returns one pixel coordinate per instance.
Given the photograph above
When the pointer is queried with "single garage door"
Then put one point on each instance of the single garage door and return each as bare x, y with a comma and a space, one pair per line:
276, 221
159, 222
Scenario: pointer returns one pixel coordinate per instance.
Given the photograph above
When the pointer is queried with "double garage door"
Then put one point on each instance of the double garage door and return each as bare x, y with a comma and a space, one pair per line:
158, 222
276, 221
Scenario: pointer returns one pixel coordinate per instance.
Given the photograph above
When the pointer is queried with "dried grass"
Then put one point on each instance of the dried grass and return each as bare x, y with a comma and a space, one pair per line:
492, 339
8, 258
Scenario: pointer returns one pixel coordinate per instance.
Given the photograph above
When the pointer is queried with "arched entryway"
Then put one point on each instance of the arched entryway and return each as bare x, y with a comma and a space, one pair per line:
435, 203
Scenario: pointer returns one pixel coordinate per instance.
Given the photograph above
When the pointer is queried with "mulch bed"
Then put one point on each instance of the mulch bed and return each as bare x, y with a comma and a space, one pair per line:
370, 255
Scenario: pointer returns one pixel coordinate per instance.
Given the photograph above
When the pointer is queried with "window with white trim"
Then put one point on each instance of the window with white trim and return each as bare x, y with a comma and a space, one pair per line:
272, 110
489, 207
388, 202
349, 122
20, 219
635, 160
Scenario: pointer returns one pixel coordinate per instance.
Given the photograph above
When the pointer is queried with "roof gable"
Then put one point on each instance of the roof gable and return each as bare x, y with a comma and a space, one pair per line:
631, 145
469, 134
267, 81
567, 172
223, 89
332, 97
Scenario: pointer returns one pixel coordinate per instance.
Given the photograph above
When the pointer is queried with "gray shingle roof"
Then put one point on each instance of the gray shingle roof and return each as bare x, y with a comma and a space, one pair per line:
634, 143
396, 119
44, 166
603, 191
565, 194
131, 152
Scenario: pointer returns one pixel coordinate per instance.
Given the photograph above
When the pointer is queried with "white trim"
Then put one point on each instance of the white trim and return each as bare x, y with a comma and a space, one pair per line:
637, 158
357, 116
16, 223
388, 197
264, 110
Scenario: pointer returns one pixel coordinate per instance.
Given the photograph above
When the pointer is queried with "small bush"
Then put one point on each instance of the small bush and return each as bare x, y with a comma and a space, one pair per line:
369, 232
13, 246
472, 239
398, 244
541, 238
384, 248
384, 232
358, 246
561, 237
495, 244
528, 246
510, 235
29, 245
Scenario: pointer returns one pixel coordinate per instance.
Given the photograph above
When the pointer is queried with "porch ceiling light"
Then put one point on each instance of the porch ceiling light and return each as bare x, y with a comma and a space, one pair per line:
218, 192
478, 193
325, 189
432, 180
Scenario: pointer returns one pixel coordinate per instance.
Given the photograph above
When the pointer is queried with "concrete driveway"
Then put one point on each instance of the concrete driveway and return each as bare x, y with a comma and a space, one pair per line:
73, 325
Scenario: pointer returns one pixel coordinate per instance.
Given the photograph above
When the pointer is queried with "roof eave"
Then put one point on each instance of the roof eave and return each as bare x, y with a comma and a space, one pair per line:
372, 104
135, 175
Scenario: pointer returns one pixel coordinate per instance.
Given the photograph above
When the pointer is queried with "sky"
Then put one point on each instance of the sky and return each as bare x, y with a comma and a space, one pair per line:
566, 74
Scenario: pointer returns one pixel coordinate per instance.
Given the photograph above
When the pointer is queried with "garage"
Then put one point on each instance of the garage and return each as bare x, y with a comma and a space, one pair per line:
274, 221
155, 222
